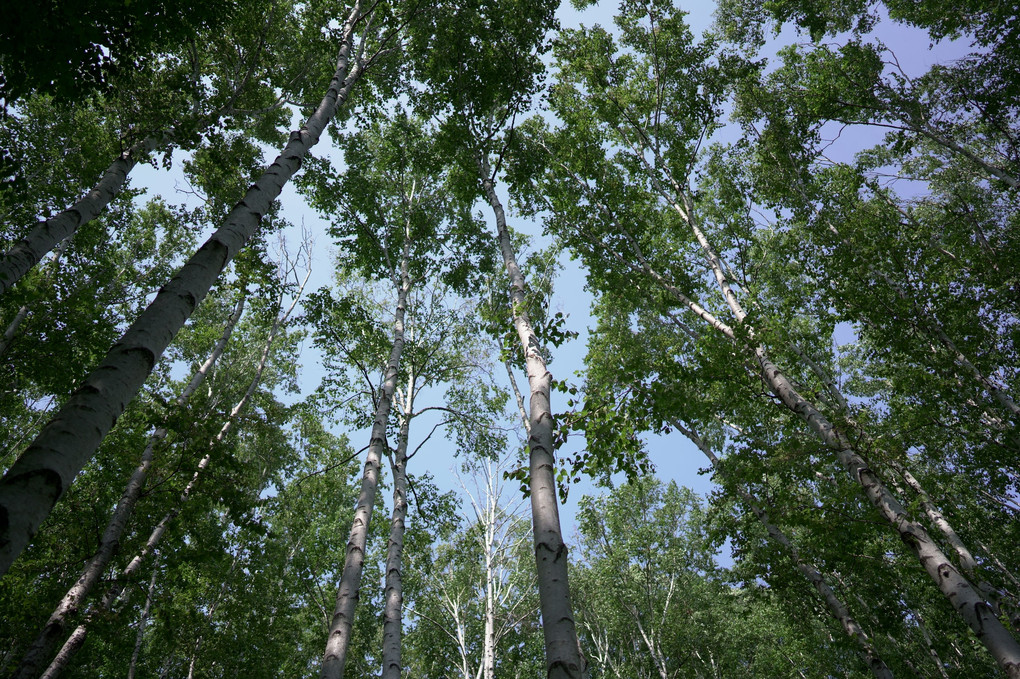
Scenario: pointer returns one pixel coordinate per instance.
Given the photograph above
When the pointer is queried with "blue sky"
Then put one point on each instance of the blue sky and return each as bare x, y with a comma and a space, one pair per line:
674, 457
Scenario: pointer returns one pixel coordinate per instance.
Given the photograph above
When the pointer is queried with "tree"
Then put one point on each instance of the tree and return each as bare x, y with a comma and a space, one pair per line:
41, 475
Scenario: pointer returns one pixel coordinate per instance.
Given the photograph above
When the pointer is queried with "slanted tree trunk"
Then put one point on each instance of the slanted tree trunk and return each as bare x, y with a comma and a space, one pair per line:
394, 592
12, 328
964, 598
74, 643
835, 605
45, 236
143, 620
51, 632
339, 638
42, 238
42, 474
561, 648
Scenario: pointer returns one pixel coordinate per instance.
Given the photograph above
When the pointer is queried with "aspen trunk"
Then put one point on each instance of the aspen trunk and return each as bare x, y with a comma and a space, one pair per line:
12, 328
967, 602
835, 605
224, 586
44, 643
394, 593
488, 515
30, 250
561, 647
73, 644
40, 476
339, 638
489, 631
143, 621
45, 236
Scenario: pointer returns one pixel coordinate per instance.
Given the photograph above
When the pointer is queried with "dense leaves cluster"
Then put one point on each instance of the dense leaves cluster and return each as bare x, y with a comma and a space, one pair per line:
801, 256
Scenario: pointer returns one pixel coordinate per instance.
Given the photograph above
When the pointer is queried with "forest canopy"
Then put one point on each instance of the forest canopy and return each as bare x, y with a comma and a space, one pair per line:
553, 244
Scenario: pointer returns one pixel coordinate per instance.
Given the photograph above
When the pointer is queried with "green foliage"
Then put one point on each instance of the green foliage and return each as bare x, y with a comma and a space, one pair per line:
879, 273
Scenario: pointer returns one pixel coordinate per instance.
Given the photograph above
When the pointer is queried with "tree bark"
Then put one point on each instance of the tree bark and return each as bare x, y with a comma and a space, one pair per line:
51, 632
45, 236
974, 610
394, 593
12, 328
143, 621
561, 647
42, 474
972, 607
340, 628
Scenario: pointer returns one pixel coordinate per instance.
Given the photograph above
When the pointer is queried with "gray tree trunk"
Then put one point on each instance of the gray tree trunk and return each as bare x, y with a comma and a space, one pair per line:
394, 591
561, 647
143, 621
42, 474
45, 236
339, 638
967, 602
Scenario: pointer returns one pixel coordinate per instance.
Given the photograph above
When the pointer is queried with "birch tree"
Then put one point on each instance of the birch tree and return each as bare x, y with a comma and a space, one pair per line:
468, 84
115, 591
391, 210
41, 475
655, 162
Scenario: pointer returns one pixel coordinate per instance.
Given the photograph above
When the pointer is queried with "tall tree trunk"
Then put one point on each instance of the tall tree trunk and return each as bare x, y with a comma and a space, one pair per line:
969, 605
967, 602
561, 647
45, 236
974, 610
27, 252
394, 592
74, 643
339, 639
211, 611
51, 632
40, 476
143, 621
835, 605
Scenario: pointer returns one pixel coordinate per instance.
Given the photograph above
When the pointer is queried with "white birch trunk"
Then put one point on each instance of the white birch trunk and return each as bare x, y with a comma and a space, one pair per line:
561, 646
967, 602
394, 592
143, 621
972, 607
12, 328
51, 632
45, 236
40, 476
340, 628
